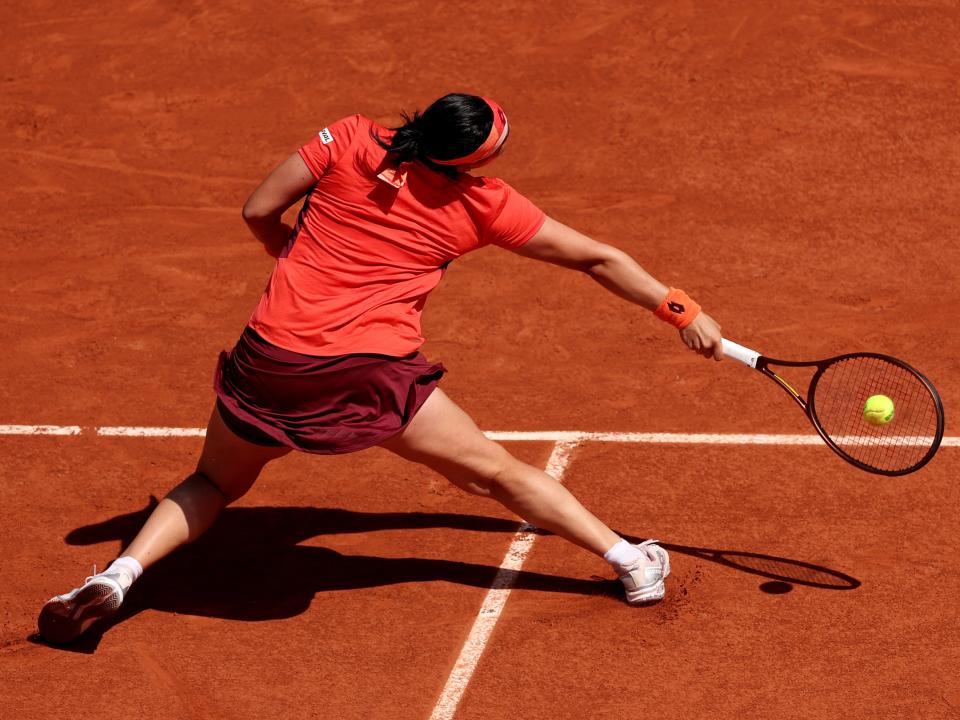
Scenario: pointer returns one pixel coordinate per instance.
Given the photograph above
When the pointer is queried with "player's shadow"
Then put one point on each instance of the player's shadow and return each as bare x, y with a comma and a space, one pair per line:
251, 564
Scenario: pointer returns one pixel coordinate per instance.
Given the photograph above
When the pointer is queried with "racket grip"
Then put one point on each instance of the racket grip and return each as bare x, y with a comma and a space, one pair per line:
738, 352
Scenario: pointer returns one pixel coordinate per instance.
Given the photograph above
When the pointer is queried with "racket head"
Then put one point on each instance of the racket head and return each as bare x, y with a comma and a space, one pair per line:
840, 387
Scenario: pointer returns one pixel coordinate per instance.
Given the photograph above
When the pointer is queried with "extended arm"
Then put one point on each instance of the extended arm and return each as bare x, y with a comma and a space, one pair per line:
619, 273
264, 208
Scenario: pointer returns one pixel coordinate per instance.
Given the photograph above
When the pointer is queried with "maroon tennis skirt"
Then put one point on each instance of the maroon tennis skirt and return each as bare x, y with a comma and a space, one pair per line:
328, 405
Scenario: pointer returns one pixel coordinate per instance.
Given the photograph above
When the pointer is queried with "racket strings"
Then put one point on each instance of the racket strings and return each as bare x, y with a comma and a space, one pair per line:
837, 403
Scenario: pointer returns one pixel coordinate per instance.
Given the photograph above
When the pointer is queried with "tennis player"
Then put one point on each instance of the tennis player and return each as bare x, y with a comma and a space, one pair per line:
330, 363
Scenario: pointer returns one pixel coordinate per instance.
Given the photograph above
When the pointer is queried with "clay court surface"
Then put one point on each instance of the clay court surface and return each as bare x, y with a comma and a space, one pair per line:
794, 166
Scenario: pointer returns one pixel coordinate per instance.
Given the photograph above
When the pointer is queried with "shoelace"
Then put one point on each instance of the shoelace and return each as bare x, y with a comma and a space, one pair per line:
652, 541
123, 579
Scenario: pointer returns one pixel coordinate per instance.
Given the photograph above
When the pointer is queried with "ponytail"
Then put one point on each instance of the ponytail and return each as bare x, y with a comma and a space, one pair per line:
407, 142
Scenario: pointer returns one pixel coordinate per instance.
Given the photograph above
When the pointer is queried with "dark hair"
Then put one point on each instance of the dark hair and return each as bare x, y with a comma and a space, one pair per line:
453, 126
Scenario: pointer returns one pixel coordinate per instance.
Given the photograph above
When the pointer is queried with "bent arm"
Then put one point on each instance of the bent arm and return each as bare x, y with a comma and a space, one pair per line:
619, 273
263, 211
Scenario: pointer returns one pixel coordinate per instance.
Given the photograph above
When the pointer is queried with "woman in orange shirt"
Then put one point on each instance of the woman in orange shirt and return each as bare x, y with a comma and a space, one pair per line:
330, 361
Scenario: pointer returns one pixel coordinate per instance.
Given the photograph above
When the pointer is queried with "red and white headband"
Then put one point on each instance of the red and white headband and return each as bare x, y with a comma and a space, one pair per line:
489, 147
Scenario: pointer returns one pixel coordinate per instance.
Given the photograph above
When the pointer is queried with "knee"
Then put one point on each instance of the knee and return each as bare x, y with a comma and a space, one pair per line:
479, 467
205, 479
229, 491
490, 473
197, 494
509, 479
475, 469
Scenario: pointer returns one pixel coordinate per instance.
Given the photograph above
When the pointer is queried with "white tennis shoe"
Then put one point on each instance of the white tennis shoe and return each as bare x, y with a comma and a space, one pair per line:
644, 581
65, 617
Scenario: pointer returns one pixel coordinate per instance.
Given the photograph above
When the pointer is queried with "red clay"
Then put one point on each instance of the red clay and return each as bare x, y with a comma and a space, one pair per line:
795, 170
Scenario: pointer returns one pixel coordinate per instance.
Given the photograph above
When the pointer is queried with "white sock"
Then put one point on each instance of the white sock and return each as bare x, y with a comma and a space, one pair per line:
623, 555
129, 567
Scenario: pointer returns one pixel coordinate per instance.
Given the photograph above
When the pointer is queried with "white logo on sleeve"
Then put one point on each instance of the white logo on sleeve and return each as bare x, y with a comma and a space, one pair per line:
325, 137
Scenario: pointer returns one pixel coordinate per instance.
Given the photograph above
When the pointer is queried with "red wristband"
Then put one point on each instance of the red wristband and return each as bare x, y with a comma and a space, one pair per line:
677, 309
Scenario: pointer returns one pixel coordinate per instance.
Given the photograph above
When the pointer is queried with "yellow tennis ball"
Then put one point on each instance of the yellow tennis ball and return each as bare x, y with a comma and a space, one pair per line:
878, 410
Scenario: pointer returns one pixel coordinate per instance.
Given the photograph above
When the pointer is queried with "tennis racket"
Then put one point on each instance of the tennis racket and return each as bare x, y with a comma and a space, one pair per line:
834, 405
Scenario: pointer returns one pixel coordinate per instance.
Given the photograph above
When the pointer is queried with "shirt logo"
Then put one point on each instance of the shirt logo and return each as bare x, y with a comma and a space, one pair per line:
325, 137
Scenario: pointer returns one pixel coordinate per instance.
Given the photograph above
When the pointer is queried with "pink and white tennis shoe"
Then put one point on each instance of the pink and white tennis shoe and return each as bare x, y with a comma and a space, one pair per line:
643, 581
65, 617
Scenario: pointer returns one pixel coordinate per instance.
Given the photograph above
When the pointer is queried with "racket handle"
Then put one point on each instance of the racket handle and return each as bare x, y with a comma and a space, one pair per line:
738, 352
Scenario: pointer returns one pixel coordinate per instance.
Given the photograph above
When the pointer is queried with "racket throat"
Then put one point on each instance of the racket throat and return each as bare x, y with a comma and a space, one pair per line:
789, 389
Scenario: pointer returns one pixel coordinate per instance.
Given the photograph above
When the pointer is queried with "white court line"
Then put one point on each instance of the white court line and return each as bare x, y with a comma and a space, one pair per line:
494, 601
121, 431
40, 429
561, 436
697, 438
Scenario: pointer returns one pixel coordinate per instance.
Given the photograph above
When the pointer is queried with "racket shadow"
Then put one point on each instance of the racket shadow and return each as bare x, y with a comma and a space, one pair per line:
796, 572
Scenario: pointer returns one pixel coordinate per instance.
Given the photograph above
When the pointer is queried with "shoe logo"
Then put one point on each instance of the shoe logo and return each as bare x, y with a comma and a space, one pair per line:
676, 307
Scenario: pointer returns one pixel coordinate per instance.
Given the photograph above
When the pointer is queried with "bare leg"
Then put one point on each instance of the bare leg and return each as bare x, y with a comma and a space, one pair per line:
227, 468
445, 439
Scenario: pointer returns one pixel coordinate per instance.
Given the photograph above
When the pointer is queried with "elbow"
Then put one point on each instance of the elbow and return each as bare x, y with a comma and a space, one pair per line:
602, 260
251, 213
256, 212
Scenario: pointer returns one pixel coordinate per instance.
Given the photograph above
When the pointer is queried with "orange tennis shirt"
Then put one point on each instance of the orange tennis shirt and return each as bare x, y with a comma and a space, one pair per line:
364, 254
